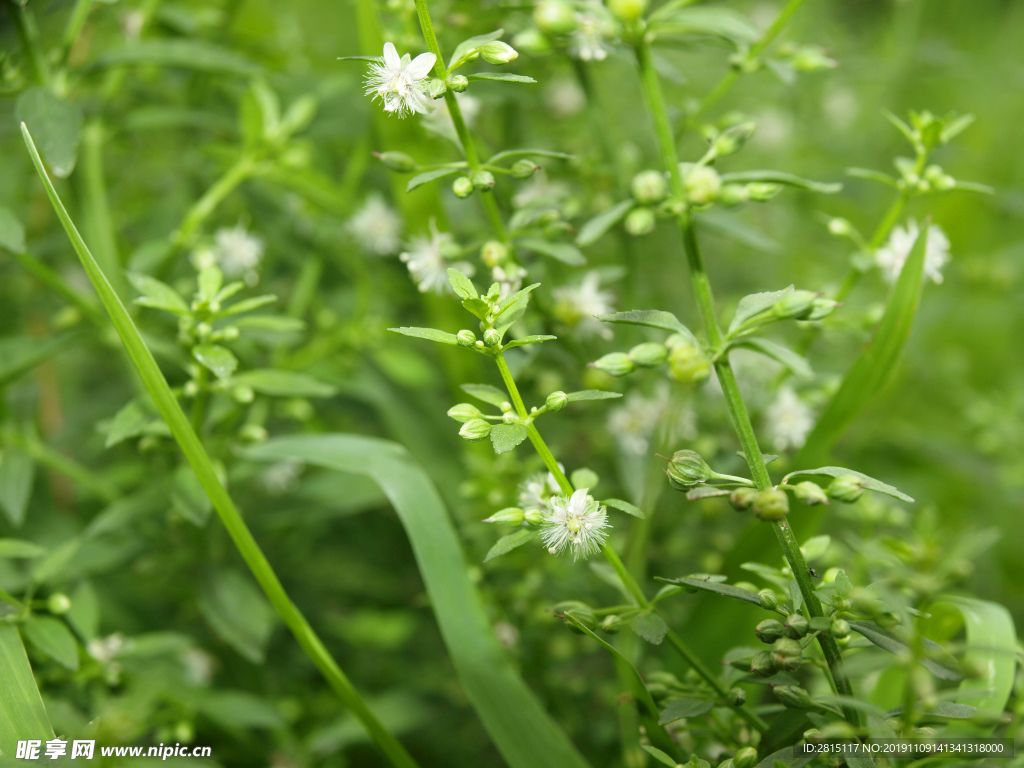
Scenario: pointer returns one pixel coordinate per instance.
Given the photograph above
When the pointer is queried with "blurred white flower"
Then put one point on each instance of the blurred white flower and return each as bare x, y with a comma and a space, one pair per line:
564, 97
106, 649
198, 666
841, 106
577, 522
589, 40
891, 257
282, 477
535, 491
238, 253
376, 226
774, 128
634, 423
400, 84
132, 23
576, 305
509, 278
427, 260
438, 118
788, 420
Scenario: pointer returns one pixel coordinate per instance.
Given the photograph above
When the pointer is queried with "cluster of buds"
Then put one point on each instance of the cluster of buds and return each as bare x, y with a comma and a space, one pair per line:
687, 362
478, 181
771, 504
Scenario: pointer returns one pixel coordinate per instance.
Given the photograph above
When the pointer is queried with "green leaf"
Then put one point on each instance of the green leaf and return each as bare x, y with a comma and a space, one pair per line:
650, 626
247, 305
596, 227
724, 23
14, 549
17, 470
464, 51
794, 362
271, 323
506, 544
134, 419
427, 176
658, 755
815, 547
217, 359
487, 393
865, 481
875, 364
652, 318
954, 127
591, 394
781, 177
528, 340
188, 499
870, 175
516, 297
12, 234
753, 305
707, 585
947, 710
84, 616
238, 709
477, 307
677, 709
157, 295
462, 285
22, 714
508, 77
563, 252
20, 354
431, 334
57, 123
505, 437
523, 732
895, 640
624, 506
269, 381
238, 613
511, 154
789, 758
187, 53
52, 637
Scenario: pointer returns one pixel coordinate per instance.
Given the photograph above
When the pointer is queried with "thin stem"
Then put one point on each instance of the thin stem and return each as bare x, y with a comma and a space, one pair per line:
214, 196
52, 280
79, 14
64, 465
28, 35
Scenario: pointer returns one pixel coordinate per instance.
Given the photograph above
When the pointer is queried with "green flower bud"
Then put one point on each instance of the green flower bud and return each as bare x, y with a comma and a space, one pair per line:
524, 168
768, 599
534, 517
555, 17
458, 83
640, 221
688, 469
796, 304
483, 181
727, 763
840, 628
227, 333
556, 401
810, 493
611, 624
627, 10
687, 363
464, 412
649, 187
580, 611
821, 309
793, 696
742, 499
510, 517
734, 194
584, 478
531, 40
475, 429
812, 58
509, 417
702, 185
466, 338
732, 139
745, 758
796, 625
462, 187
769, 630
846, 488
497, 52
762, 192
651, 354
397, 161
436, 88
762, 664
493, 253
58, 603
243, 394
771, 504
737, 697
841, 228
491, 337
615, 364
787, 654
253, 433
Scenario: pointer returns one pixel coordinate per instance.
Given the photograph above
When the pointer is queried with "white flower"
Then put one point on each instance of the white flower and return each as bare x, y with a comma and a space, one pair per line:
509, 278
634, 423
426, 259
564, 97
891, 257
282, 477
400, 84
576, 305
198, 666
105, 649
588, 41
439, 119
376, 227
536, 490
238, 253
789, 420
577, 522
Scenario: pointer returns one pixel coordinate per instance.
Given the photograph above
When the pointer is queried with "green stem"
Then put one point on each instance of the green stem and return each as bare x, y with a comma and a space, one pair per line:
733, 398
74, 27
214, 196
28, 36
52, 280
58, 462
99, 223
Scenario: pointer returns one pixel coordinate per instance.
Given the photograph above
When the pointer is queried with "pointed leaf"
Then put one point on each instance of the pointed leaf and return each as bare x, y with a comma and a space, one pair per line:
507, 543
247, 305
505, 437
793, 361
431, 334
508, 77
428, 176
753, 305
130, 421
650, 626
563, 252
592, 394
184, 52
625, 506
238, 613
56, 123
52, 637
677, 709
510, 154
18, 549
17, 470
866, 482
217, 359
22, 714
464, 50
487, 393
528, 340
461, 284
781, 177
652, 318
707, 585
157, 295
12, 234
596, 227
895, 640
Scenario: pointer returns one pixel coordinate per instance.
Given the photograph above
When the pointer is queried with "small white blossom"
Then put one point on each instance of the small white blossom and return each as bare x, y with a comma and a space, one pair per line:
589, 40
789, 420
509, 278
400, 84
282, 477
439, 119
237, 253
564, 97
891, 257
576, 305
427, 260
376, 227
105, 649
577, 522
198, 666
536, 490
635, 422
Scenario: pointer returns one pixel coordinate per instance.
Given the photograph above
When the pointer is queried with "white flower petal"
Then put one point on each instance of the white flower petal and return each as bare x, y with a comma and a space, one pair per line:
421, 65
391, 58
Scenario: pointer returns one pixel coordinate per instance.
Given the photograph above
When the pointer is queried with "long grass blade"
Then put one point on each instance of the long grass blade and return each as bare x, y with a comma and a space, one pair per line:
22, 715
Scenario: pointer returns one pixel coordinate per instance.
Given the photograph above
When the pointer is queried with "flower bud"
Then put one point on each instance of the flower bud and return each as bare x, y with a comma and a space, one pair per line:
688, 469
534, 517
762, 664
796, 625
58, 603
846, 488
745, 758
483, 181
555, 17
509, 417
649, 187
821, 309
640, 221
436, 88
796, 304
651, 354
253, 433
702, 185
491, 337
687, 363
556, 401
762, 192
532, 40
742, 499
611, 624
462, 187
771, 504
786, 654
466, 338
524, 168
732, 139
841, 228
580, 611
737, 697
458, 83
243, 394
397, 161
840, 628
497, 52
475, 429
793, 696
510, 517
810, 493
615, 364
768, 599
627, 10
464, 412
734, 194
769, 630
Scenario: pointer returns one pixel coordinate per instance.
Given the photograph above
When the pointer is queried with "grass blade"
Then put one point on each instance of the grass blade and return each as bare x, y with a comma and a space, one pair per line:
523, 732
22, 715
197, 457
